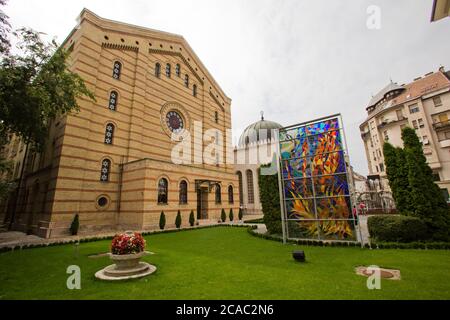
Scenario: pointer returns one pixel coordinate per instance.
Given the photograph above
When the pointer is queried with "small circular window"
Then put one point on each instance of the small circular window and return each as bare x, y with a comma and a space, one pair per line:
102, 202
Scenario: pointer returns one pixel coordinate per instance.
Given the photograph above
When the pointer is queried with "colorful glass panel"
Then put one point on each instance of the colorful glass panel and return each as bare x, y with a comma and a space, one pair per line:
315, 182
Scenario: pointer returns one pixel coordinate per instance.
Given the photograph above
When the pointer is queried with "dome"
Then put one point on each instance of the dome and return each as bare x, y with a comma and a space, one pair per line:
391, 87
252, 134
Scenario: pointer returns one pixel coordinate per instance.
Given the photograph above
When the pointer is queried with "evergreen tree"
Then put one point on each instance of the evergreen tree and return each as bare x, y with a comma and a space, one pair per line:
397, 175
426, 199
75, 225
223, 216
240, 214
178, 220
231, 216
191, 218
270, 201
162, 220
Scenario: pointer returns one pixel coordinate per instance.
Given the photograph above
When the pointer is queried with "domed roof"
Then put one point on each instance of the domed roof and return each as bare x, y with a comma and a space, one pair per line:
252, 134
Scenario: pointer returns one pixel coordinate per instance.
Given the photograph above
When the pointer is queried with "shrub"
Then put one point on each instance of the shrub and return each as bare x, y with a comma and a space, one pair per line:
231, 216
191, 218
223, 216
178, 220
240, 214
75, 225
162, 220
397, 228
270, 201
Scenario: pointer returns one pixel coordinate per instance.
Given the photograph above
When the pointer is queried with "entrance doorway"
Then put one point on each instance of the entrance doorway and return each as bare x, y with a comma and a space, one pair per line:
202, 202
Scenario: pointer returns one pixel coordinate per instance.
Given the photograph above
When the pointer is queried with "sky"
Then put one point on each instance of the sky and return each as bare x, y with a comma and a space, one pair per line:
296, 60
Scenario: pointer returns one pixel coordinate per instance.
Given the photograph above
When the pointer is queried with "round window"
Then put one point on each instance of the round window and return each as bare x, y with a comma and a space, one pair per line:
102, 201
174, 121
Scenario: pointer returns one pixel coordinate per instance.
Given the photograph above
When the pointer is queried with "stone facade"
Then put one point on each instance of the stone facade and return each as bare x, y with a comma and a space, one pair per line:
424, 105
105, 163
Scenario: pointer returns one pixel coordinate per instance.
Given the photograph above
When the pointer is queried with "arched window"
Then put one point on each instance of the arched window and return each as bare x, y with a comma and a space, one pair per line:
178, 70
216, 116
250, 188
168, 70
113, 96
117, 69
194, 90
230, 195
109, 133
157, 70
218, 194
183, 192
186, 81
162, 191
241, 192
106, 167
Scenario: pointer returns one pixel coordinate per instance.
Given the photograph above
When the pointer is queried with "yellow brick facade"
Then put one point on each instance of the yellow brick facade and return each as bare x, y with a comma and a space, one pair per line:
66, 180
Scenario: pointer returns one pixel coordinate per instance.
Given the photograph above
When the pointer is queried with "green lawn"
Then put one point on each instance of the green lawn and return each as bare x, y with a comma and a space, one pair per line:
226, 263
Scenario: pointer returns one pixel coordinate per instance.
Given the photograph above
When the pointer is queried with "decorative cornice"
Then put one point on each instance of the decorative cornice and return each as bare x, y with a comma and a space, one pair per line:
120, 47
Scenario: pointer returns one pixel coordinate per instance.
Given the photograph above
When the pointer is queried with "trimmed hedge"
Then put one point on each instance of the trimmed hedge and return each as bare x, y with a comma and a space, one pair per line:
397, 229
270, 201
75, 225
223, 216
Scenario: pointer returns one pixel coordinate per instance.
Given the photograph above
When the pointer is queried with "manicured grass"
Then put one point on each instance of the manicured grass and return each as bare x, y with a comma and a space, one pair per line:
226, 263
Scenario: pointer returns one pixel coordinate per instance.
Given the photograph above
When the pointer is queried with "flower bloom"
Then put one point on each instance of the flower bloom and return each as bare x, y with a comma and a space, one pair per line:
127, 243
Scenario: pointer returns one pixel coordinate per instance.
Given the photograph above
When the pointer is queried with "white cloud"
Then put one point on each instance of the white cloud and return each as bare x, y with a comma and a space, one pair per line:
296, 60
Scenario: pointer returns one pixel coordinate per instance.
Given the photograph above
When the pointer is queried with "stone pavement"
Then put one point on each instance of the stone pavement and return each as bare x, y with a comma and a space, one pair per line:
362, 225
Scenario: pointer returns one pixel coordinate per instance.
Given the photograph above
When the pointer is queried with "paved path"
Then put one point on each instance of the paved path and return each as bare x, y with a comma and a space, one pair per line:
362, 225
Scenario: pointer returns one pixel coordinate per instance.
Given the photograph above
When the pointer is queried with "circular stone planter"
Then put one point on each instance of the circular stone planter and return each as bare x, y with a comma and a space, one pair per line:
127, 266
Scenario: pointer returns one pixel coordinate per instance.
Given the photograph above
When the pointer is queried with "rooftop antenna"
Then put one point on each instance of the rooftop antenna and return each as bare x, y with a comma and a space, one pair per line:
262, 115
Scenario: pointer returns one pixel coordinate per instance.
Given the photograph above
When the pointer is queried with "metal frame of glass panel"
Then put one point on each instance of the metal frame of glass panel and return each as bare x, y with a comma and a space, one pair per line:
314, 183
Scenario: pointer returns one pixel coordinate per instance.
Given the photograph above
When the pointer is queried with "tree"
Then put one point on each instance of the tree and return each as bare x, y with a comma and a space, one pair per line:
178, 220
36, 86
270, 201
231, 216
162, 220
426, 200
240, 214
75, 225
411, 180
5, 166
223, 215
4, 30
191, 218
397, 175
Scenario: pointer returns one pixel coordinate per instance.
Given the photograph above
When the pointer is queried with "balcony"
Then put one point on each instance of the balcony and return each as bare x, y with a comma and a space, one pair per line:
444, 143
441, 125
389, 122
365, 135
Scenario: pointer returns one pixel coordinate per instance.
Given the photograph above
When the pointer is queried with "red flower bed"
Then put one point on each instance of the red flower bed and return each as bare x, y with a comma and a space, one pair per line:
127, 243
